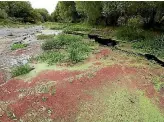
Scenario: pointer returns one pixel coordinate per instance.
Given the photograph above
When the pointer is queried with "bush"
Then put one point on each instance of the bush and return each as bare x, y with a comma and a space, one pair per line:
130, 33
17, 46
44, 37
135, 22
153, 46
60, 41
51, 57
3, 14
73, 47
20, 70
78, 51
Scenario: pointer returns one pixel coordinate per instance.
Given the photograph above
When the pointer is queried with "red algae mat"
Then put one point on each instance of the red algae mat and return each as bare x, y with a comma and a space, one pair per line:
56, 95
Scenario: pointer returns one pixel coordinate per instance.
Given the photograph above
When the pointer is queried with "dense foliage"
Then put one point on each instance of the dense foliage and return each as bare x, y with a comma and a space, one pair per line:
21, 70
65, 48
110, 12
22, 11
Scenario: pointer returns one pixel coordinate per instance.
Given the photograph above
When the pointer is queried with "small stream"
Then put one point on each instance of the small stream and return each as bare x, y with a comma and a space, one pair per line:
113, 43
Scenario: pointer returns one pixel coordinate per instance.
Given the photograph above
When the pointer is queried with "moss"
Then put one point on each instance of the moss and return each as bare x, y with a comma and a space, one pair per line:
119, 105
18, 46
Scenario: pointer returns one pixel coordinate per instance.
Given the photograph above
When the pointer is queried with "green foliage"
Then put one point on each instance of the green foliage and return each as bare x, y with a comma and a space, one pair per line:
49, 44
22, 11
18, 46
3, 14
65, 12
158, 84
153, 45
78, 51
43, 13
77, 27
135, 21
56, 25
72, 48
20, 70
51, 57
90, 9
44, 37
130, 33
60, 41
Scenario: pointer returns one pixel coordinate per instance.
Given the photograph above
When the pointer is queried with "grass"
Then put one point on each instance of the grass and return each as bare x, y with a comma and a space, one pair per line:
119, 105
158, 84
55, 25
10, 23
51, 57
20, 70
18, 46
77, 27
45, 37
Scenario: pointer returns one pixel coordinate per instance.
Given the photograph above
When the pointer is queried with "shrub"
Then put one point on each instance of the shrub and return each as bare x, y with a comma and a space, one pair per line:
130, 33
73, 47
135, 22
3, 14
17, 46
60, 41
78, 52
152, 45
51, 57
44, 37
20, 70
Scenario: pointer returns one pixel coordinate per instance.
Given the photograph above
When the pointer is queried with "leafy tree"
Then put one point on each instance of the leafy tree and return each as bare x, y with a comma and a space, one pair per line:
3, 14
43, 14
90, 9
20, 9
65, 12
151, 12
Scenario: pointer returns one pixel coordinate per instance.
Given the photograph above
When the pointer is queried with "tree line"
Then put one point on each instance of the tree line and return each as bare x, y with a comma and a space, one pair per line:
151, 14
22, 11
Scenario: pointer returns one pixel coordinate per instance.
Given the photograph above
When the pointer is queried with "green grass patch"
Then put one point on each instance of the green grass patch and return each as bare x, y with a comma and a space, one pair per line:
119, 105
21, 70
18, 46
77, 27
158, 84
51, 57
45, 37
55, 25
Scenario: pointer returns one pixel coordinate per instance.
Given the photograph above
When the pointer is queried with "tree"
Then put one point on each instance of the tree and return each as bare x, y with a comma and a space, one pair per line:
20, 9
65, 12
151, 12
3, 14
43, 14
89, 9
